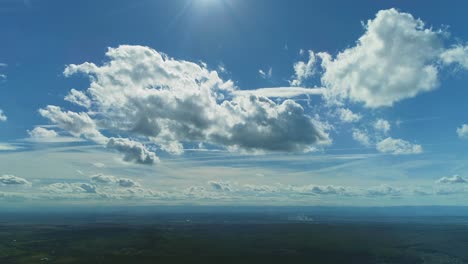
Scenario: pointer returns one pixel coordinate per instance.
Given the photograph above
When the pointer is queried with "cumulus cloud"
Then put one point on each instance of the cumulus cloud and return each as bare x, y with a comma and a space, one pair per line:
78, 98
220, 186
362, 137
457, 54
462, 131
452, 180
398, 147
108, 180
3, 117
13, 180
133, 150
88, 188
347, 115
77, 124
103, 179
61, 188
281, 92
82, 125
383, 190
382, 125
144, 94
127, 183
394, 59
304, 70
44, 135
261, 188
320, 190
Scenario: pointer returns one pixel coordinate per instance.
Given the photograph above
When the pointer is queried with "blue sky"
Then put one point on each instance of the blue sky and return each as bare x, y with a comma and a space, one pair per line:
233, 102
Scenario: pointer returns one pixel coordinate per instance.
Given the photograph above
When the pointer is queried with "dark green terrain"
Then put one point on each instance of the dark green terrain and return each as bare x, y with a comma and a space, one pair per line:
239, 238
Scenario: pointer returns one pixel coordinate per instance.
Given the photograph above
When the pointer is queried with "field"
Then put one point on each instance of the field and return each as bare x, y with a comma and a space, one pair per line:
177, 238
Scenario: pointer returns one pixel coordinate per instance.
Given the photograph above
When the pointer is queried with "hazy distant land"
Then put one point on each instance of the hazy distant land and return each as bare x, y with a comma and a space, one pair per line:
312, 235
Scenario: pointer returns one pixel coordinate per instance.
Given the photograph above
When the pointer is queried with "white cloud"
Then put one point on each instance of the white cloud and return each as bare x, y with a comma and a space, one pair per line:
362, 137
44, 135
3, 117
452, 180
78, 98
99, 164
81, 124
133, 150
108, 180
77, 124
382, 125
383, 190
303, 71
462, 131
261, 188
61, 188
152, 98
281, 92
346, 115
13, 180
398, 147
3, 77
127, 183
456, 54
103, 179
320, 190
394, 59
266, 74
220, 186
8, 147
88, 188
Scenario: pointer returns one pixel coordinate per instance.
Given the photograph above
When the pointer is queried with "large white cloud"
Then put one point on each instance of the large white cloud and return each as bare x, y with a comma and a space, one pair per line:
394, 59
146, 95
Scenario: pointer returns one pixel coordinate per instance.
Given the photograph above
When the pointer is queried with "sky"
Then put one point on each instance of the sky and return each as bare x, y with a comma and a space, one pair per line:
233, 102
